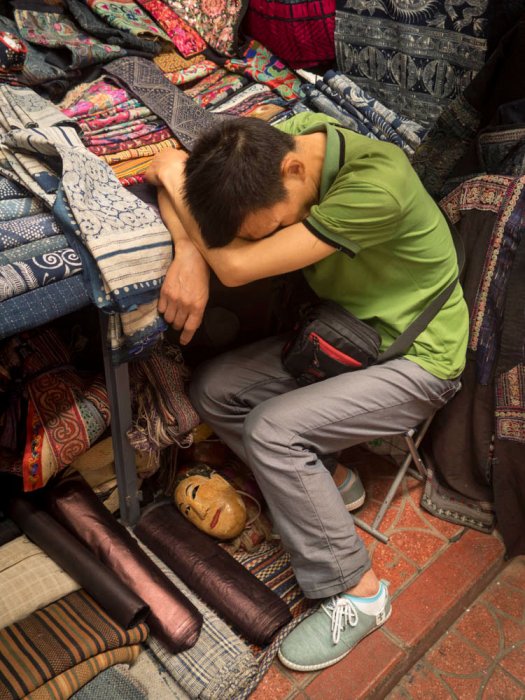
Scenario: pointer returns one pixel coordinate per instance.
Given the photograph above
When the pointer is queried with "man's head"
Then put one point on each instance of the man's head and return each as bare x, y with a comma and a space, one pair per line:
237, 181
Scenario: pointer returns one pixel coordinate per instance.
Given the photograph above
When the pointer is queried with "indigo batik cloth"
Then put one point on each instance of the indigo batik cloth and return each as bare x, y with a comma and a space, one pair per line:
300, 32
216, 21
185, 39
23, 276
123, 244
93, 25
77, 640
413, 56
259, 64
361, 112
48, 27
185, 119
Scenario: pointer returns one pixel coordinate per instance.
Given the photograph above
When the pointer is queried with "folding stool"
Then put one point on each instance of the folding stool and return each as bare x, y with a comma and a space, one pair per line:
413, 438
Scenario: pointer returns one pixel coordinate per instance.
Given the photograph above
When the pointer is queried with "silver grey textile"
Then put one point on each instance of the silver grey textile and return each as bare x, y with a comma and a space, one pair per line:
283, 432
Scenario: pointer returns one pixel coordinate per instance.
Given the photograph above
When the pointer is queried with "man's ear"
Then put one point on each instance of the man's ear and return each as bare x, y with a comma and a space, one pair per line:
293, 167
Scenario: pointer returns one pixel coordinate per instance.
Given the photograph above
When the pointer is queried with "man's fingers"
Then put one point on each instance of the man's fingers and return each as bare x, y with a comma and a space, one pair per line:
192, 323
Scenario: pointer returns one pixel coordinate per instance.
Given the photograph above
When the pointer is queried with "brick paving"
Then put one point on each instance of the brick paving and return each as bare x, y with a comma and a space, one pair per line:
431, 648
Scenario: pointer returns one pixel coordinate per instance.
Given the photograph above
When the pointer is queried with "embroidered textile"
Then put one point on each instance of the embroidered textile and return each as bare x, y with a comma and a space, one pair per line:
24, 230
300, 32
184, 118
364, 114
13, 53
130, 130
131, 180
186, 40
191, 73
148, 139
42, 305
21, 277
22, 564
505, 197
53, 29
257, 63
133, 166
94, 124
90, 98
163, 413
252, 101
36, 71
66, 415
172, 61
216, 20
96, 26
215, 88
414, 57
128, 16
93, 642
139, 152
510, 404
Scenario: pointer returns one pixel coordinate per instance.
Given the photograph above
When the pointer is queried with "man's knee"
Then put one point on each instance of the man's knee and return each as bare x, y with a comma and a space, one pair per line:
206, 389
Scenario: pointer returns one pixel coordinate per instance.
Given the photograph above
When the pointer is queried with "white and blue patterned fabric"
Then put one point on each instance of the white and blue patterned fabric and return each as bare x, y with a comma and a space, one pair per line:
413, 55
33, 249
18, 232
21, 277
340, 97
123, 244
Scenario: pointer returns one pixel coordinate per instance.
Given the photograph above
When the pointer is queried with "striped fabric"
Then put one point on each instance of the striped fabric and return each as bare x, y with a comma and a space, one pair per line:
29, 579
53, 652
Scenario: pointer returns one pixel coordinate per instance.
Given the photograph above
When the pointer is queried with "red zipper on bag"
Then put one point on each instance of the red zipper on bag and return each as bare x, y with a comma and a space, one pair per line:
332, 352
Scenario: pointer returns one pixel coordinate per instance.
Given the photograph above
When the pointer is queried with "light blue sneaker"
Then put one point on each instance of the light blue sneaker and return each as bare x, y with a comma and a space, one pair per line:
333, 630
352, 491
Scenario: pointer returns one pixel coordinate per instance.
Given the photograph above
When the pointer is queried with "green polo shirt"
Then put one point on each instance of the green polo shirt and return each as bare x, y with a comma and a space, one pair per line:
394, 251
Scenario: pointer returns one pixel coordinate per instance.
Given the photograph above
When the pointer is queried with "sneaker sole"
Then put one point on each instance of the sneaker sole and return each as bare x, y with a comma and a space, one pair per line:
319, 667
356, 504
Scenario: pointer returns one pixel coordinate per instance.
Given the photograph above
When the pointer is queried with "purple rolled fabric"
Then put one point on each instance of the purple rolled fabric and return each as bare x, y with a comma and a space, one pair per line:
173, 619
213, 574
124, 606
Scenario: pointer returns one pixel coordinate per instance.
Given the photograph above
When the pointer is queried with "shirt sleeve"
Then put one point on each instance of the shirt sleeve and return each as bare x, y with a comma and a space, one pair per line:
356, 214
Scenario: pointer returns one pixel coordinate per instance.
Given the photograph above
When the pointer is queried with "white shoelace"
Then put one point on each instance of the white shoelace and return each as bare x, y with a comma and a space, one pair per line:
342, 613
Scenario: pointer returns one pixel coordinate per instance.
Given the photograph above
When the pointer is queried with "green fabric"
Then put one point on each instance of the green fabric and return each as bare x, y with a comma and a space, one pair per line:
401, 254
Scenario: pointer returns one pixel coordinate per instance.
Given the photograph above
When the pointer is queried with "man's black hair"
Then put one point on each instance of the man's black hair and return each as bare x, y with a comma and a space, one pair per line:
234, 170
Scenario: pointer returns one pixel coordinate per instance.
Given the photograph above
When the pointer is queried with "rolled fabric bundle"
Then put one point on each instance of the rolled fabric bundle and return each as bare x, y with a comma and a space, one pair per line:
122, 604
172, 618
213, 574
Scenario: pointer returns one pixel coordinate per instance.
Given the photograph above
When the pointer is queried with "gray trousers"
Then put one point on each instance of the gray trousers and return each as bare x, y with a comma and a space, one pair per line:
283, 432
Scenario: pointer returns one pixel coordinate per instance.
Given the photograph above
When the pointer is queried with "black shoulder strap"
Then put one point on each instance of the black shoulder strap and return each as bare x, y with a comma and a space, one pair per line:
405, 340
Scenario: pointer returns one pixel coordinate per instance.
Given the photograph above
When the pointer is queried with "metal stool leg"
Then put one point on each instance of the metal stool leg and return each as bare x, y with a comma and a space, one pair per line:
412, 456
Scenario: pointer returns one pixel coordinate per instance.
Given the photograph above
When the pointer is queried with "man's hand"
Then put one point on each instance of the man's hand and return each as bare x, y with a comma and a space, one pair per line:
184, 293
168, 164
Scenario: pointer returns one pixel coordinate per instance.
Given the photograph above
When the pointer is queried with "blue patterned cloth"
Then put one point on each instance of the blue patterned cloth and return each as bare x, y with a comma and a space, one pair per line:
339, 96
42, 305
21, 277
414, 56
21, 206
18, 232
122, 242
32, 249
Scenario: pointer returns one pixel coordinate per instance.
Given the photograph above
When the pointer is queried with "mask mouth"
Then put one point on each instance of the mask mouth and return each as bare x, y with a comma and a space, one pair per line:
215, 518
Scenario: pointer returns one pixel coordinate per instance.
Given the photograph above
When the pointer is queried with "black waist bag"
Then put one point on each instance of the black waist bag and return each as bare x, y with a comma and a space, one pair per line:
328, 341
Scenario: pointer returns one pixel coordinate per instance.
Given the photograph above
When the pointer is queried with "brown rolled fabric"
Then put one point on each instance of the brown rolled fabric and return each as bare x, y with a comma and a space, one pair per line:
172, 618
213, 574
124, 606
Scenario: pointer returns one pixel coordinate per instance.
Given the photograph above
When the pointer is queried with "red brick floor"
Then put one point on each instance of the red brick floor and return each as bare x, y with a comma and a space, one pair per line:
436, 571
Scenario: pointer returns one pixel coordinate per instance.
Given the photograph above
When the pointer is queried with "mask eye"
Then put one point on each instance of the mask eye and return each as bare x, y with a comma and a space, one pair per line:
194, 492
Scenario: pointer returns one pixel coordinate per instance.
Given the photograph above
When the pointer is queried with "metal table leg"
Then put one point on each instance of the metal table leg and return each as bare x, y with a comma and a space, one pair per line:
117, 384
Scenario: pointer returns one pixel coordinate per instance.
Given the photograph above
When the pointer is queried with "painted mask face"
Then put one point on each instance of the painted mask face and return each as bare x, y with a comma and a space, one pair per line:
210, 503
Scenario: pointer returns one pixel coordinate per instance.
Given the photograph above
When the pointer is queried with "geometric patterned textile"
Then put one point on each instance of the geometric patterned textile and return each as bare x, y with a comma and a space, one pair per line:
413, 55
185, 119
55, 651
510, 404
216, 21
